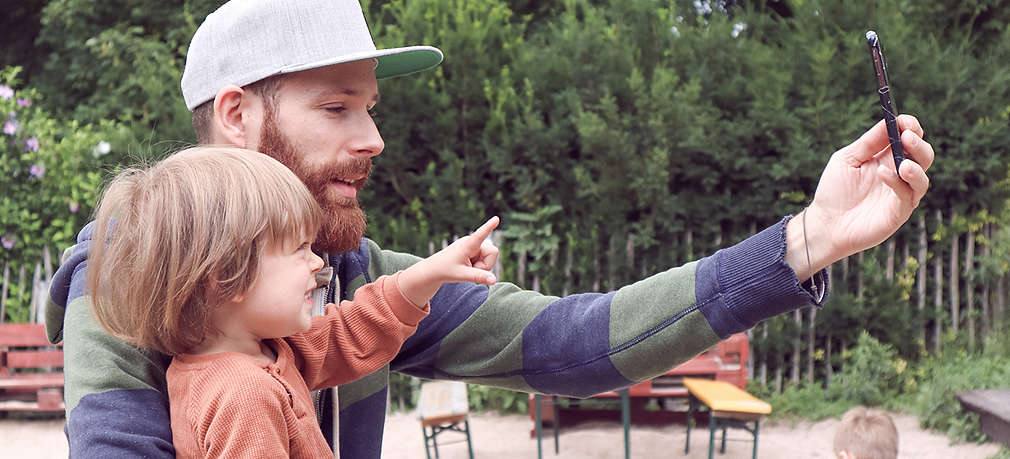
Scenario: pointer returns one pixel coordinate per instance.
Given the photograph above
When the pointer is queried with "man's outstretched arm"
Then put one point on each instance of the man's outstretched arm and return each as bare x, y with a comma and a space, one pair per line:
114, 392
587, 343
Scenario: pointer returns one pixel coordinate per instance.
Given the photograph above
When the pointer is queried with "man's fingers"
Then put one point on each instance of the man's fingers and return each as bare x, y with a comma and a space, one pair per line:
916, 149
910, 123
875, 139
868, 145
914, 175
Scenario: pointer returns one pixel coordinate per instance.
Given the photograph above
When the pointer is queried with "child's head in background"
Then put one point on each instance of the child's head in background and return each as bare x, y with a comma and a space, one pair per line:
189, 235
866, 433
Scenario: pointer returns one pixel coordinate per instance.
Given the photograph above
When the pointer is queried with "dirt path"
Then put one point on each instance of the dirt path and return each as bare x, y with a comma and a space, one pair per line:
507, 437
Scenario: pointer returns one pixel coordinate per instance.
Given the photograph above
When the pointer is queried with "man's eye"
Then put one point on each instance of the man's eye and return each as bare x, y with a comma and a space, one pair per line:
335, 109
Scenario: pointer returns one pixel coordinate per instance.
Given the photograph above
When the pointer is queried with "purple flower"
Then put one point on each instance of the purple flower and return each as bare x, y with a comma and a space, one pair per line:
11, 126
73, 207
32, 144
37, 170
8, 240
6, 92
24, 102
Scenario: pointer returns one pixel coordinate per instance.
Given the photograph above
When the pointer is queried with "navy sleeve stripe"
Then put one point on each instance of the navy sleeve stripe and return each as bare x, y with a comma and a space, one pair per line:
749, 282
121, 424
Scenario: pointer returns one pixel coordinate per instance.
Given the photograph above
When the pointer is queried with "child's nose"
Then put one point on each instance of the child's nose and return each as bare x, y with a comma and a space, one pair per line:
315, 263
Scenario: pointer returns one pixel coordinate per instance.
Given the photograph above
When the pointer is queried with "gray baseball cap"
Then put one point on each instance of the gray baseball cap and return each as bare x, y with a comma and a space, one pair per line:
245, 41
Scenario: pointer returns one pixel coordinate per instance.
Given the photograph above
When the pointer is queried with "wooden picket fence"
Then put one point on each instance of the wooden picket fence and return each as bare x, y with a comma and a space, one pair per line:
15, 282
947, 280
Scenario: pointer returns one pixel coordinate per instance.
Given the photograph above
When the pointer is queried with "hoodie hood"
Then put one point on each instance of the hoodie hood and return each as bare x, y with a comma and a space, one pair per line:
68, 283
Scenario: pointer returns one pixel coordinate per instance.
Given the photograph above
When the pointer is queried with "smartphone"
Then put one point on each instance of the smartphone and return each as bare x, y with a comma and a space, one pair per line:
886, 104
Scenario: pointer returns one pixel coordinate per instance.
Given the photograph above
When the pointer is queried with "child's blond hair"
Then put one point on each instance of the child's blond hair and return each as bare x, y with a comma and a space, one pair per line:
867, 433
185, 236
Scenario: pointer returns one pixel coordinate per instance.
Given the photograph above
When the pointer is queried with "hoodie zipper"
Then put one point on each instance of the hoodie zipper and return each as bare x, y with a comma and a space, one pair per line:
319, 308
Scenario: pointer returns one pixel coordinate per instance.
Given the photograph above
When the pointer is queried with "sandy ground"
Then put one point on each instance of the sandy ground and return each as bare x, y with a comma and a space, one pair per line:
507, 437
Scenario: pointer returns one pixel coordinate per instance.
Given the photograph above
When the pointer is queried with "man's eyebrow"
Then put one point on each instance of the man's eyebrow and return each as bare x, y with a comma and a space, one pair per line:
347, 92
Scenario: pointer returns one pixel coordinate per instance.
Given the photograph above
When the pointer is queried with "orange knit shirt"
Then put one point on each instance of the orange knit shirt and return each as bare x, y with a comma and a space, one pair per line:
231, 405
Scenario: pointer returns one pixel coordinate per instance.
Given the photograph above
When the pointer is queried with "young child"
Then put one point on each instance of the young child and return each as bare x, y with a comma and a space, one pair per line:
866, 434
207, 258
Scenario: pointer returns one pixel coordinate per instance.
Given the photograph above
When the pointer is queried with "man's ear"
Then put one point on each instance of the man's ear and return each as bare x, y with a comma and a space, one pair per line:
230, 117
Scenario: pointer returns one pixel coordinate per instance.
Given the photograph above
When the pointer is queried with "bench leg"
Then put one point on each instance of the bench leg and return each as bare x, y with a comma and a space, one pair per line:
538, 423
711, 434
691, 405
557, 423
626, 419
722, 449
469, 445
424, 432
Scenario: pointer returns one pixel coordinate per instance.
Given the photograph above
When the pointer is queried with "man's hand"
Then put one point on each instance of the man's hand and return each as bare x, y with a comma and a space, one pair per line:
468, 259
860, 201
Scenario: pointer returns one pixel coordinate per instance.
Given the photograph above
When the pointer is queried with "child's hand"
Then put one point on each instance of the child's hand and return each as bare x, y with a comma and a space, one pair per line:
468, 259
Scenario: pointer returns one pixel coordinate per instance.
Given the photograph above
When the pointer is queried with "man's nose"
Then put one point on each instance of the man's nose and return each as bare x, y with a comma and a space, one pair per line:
368, 141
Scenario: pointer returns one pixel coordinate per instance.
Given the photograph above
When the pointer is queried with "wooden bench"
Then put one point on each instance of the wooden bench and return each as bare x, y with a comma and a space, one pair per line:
728, 406
993, 408
443, 406
31, 369
725, 361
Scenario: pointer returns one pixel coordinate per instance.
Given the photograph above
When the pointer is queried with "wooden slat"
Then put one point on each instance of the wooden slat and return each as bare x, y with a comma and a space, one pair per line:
31, 380
23, 335
34, 359
25, 405
29, 391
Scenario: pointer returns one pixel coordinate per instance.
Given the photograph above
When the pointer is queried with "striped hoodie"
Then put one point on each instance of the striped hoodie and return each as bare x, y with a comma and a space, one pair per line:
503, 336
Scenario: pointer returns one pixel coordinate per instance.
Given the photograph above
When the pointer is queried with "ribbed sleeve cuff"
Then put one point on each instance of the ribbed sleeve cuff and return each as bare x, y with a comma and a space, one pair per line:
739, 286
402, 307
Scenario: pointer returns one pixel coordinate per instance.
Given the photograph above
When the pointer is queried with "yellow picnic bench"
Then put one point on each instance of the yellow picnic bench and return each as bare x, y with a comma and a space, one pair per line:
728, 406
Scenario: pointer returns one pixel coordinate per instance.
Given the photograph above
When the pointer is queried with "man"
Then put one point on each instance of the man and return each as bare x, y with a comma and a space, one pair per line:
296, 80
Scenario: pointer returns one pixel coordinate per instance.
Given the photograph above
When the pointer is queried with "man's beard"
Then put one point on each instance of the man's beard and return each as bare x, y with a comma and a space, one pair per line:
343, 222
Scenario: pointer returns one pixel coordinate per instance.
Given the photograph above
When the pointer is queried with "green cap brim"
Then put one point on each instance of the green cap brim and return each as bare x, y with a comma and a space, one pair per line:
407, 61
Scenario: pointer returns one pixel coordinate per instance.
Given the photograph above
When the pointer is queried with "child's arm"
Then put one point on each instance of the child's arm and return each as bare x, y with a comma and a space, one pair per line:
361, 336
468, 259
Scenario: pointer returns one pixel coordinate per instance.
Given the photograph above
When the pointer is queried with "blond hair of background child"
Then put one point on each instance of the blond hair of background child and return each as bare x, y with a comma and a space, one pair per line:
207, 258
866, 433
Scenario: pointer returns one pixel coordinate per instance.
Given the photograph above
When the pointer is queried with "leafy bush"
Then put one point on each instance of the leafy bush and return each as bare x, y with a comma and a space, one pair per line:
404, 391
936, 404
808, 401
50, 176
874, 373
487, 398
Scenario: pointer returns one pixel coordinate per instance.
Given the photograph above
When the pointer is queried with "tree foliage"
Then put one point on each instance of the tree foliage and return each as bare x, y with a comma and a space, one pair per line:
674, 126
